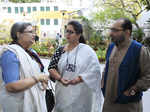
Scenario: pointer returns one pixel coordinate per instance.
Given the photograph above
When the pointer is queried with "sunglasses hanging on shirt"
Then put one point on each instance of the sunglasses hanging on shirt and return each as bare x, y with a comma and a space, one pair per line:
71, 67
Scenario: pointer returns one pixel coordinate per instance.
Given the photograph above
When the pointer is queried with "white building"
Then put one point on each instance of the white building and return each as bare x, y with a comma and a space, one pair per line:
49, 16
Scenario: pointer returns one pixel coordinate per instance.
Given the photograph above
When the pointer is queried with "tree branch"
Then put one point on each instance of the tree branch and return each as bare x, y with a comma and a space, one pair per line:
122, 3
139, 4
140, 12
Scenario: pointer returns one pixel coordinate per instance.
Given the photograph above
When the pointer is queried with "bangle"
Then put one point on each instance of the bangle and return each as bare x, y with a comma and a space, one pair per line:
80, 78
35, 79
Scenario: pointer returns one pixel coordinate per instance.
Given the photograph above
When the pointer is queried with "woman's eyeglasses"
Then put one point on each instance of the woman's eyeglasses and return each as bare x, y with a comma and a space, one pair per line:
33, 32
69, 32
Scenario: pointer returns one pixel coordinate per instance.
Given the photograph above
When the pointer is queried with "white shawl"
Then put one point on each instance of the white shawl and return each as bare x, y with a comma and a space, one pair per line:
72, 97
33, 99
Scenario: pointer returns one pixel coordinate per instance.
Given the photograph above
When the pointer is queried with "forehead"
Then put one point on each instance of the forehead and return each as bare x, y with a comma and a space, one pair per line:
70, 27
118, 24
29, 28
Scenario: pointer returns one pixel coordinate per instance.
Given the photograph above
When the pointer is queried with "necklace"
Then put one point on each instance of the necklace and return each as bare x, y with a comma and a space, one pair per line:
71, 67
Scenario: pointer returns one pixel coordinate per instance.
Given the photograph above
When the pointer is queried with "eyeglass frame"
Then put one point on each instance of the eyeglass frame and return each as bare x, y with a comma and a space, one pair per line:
32, 32
70, 32
116, 30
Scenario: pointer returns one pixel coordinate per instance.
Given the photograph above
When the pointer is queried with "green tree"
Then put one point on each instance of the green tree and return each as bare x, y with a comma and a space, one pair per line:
113, 9
109, 10
146, 3
104, 17
24, 1
4, 33
87, 26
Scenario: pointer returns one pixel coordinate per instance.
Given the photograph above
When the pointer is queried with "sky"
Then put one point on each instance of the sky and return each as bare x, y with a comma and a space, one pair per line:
143, 18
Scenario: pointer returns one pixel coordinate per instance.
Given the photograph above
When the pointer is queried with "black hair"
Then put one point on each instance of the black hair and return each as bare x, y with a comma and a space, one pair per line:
127, 24
18, 27
36, 38
78, 29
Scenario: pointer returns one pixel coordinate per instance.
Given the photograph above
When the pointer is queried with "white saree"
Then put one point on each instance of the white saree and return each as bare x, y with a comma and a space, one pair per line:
85, 96
30, 100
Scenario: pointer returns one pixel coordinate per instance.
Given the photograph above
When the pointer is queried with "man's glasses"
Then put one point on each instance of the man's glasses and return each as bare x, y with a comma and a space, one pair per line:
116, 30
69, 32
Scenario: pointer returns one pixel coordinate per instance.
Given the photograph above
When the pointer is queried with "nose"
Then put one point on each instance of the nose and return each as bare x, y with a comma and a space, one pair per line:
67, 34
33, 35
110, 33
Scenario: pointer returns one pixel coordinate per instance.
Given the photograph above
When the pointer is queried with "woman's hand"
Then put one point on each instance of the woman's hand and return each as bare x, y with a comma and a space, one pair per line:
42, 78
44, 85
26, 83
76, 80
65, 82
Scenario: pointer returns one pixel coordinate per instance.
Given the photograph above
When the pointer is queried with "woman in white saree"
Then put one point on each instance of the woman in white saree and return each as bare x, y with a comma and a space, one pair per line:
21, 73
77, 71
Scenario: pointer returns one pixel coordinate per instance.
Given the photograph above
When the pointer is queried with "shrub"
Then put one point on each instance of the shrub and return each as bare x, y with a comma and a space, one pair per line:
138, 35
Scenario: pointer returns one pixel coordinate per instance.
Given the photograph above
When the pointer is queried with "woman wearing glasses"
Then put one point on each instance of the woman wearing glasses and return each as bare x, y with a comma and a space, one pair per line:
77, 71
21, 69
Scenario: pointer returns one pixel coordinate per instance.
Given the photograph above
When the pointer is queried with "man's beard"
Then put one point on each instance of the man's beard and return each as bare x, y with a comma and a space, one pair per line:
119, 40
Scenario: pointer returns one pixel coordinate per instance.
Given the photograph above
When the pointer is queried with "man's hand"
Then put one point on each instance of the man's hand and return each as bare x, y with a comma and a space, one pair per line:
102, 82
130, 92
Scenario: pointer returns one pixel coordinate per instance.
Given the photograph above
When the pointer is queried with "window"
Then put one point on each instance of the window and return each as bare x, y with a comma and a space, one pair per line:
55, 8
21, 9
9, 9
4, 8
47, 21
34, 9
42, 9
16, 10
55, 21
29, 9
70, 2
51, 0
47, 8
42, 21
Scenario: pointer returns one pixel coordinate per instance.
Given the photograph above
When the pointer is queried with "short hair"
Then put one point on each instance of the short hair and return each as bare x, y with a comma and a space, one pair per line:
127, 24
18, 27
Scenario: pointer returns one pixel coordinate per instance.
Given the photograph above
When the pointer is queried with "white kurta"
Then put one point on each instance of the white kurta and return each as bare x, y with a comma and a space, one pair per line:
30, 100
85, 96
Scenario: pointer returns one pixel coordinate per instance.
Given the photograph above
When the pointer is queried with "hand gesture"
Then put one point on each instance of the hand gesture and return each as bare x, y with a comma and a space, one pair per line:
44, 81
65, 82
44, 85
130, 92
76, 80
43, 78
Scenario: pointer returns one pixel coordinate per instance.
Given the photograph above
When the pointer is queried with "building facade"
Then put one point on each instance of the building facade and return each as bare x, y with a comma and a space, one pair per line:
48, 17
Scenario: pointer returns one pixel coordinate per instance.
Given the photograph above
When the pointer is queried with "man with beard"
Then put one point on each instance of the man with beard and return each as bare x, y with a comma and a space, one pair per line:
127, 72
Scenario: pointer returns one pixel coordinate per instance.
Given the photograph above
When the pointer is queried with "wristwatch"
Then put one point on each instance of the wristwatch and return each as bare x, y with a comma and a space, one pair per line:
132, 92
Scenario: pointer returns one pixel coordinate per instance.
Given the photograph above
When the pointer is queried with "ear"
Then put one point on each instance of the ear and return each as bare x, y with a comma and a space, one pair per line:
128, 32
79, 35
18, 35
